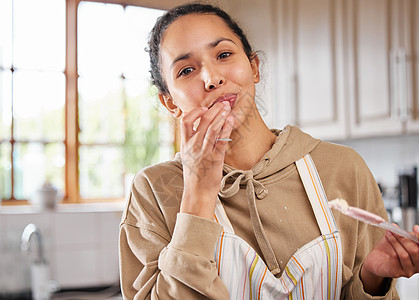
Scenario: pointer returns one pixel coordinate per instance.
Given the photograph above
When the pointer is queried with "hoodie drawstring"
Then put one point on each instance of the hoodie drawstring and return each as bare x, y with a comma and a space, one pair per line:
252, 187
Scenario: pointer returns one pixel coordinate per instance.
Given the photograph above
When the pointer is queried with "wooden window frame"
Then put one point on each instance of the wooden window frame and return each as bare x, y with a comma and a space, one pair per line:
71, 141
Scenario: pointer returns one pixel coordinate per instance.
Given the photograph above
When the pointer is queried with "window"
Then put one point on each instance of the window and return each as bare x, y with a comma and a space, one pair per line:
76, 106
32, 97
119, 118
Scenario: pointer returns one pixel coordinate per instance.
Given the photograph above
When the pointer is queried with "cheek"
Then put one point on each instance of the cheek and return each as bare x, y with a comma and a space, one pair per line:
241, 74
187, 96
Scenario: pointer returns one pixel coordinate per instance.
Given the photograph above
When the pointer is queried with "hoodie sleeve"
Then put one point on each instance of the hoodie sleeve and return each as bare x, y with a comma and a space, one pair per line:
355, 183
158, 263
368, 236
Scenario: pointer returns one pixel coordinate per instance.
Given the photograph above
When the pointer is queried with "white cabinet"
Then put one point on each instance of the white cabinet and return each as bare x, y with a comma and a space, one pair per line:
309, 66
348, 68
373, 50
380, 87
412, 10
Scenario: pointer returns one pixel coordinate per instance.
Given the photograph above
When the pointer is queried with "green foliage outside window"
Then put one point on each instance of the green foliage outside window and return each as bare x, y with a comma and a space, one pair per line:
142, 141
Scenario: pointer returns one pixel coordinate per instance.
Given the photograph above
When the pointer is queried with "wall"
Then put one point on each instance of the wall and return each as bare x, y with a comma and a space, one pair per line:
81, 246
385, 156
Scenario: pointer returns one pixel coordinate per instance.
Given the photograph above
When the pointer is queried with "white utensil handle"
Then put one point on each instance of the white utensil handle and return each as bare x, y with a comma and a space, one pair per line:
397, 230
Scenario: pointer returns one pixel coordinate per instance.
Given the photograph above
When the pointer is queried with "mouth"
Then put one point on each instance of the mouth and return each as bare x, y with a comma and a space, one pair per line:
231, 98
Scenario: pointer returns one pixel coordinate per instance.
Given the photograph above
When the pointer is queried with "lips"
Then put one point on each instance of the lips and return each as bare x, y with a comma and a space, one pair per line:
231, 98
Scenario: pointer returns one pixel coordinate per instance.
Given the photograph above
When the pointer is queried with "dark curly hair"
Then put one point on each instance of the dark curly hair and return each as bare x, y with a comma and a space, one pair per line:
168, 18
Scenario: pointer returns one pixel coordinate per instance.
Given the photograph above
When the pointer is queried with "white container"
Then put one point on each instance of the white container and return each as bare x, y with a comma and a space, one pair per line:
45, 197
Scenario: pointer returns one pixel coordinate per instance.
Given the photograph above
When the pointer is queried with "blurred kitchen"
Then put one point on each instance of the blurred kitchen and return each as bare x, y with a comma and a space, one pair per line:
78, 118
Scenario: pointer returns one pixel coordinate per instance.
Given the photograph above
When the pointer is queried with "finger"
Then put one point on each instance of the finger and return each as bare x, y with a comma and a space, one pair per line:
402, 253
416, 230
415, 249
213, 117
225, 134
188, 120
411, 247
215, 128
227, 128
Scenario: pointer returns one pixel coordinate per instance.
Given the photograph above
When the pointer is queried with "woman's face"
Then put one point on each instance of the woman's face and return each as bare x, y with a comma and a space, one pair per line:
203, 62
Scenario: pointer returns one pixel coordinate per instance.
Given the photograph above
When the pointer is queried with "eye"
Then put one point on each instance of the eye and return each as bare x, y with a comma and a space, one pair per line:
224, 55
185, 71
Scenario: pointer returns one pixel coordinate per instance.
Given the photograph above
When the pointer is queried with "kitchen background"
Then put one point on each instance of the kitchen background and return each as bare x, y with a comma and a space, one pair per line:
346, 71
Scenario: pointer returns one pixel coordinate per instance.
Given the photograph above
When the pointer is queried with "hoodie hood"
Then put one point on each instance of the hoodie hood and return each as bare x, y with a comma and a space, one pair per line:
290, 145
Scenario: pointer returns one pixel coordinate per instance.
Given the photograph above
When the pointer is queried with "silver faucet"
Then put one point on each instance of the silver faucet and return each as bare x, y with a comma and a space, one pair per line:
40, 281
30, 230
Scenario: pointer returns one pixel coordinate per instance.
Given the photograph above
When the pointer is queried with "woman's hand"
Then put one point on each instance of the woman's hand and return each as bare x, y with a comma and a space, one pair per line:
392, 257
203, 157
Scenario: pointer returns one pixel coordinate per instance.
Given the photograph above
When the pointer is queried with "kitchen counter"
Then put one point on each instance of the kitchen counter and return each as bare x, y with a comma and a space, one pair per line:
65, 208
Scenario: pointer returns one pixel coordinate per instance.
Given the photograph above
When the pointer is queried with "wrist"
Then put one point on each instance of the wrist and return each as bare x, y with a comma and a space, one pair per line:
373, 284
198, 205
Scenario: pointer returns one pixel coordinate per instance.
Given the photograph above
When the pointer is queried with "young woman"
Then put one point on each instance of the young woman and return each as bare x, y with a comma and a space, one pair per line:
241, 212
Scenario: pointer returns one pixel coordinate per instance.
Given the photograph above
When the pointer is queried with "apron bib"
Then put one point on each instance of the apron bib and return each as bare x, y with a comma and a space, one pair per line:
313, 272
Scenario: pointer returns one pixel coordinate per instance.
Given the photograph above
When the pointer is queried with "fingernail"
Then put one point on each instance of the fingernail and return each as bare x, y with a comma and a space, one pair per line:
226, 110
226, 104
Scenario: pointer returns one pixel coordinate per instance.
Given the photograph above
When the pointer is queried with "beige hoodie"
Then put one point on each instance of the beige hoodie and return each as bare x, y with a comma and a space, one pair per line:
168, 255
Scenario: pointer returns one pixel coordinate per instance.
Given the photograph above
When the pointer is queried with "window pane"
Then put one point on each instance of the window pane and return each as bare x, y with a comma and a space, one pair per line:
36, 164
142, 133
5, 33
39, 40
38, 106
5, 171
5, 104
138, 24
100, 48
101, 172
121, 125
101, 109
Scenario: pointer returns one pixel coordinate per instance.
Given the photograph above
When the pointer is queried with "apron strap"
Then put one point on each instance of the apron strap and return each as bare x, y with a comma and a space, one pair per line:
316, 194
221, 218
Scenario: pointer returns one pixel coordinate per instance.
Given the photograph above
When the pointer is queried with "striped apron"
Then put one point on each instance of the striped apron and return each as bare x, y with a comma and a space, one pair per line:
313, 272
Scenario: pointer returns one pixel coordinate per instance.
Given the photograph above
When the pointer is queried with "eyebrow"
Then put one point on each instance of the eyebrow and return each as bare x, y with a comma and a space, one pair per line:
210, 45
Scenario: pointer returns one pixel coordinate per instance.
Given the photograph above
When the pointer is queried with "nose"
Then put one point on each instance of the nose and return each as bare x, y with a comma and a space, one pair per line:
212, 78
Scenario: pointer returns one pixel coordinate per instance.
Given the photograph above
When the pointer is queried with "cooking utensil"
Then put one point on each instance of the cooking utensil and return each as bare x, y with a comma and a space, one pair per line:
369, 218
